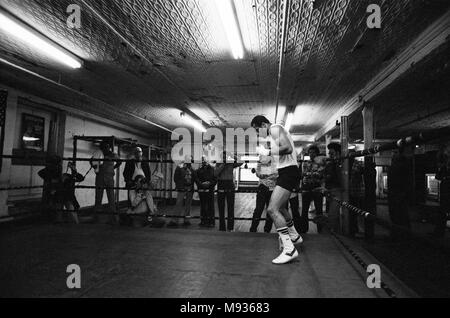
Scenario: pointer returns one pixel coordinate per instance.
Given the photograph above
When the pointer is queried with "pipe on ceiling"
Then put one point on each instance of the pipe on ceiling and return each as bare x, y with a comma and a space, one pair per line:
282, 55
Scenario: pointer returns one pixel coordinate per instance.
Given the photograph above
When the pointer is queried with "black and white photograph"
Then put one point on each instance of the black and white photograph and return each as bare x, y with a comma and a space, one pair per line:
224, 156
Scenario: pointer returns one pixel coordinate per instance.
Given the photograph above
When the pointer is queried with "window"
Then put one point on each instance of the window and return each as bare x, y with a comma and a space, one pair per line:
36, 133
385, 182
33, 132
432, 185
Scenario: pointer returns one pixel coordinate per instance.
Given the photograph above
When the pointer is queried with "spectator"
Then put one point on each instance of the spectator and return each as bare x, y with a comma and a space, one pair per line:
293, 203
267, 173
69, 199
443, 175
206, 183
51, 197
226, 186
142, 204
104, 179
184, 182
136, 167
332, 175
400, 193
312, 181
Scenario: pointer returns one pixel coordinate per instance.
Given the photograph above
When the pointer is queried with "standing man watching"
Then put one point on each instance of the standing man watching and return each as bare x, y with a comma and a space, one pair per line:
312, 181
282, 149
206, 183
184, 182
225, 176
104, 180
267, 173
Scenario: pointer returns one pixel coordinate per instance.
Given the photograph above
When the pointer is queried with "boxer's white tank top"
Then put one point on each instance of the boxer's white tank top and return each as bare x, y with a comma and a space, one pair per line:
285, 161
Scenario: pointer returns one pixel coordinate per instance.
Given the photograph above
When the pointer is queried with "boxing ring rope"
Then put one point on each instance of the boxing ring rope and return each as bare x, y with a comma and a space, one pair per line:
21, 188
352, 209
318, 220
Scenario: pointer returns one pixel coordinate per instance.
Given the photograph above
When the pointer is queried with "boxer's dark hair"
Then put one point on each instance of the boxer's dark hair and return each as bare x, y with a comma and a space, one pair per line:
258, 121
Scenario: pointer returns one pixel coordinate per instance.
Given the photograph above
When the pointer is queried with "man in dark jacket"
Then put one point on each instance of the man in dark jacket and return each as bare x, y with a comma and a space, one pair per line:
51, 196
184, 182
69, 199
312, 180
206, 183
224, 172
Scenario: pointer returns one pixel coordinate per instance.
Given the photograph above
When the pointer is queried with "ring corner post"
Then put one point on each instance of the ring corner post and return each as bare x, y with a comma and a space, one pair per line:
370, 173
345, 218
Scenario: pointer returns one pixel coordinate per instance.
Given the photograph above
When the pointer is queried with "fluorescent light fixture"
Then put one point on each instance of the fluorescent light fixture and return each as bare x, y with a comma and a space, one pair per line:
30, 139
37, 41
197, 124
231, 26
288, 124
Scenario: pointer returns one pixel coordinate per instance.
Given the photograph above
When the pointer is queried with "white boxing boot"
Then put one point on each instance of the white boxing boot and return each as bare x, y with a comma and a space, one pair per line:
289, 252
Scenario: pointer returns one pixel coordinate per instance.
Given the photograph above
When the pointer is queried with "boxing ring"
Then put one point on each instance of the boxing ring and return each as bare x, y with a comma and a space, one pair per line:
161, 263
149, 262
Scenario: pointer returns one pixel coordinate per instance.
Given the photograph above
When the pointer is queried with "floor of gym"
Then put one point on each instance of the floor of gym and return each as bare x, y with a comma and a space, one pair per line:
127, 262
186, 262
